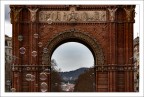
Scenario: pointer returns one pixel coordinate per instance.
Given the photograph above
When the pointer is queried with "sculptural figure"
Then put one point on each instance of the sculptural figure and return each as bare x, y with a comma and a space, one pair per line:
16, 13
128, 13
33, 14
112, 14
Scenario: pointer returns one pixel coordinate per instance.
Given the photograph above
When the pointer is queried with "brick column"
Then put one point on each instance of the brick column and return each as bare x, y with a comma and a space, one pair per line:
112, 49
129, 75
33, 46
15, 15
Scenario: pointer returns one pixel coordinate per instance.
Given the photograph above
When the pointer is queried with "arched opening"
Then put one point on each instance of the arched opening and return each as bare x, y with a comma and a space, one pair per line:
72, 68
73, 35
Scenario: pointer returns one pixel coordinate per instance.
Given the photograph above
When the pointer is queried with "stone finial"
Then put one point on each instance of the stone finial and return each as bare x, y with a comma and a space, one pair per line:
16, 13
112, 14
33, 14
128, 13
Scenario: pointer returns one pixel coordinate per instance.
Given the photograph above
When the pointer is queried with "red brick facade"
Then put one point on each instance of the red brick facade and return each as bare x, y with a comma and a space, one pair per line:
109, 36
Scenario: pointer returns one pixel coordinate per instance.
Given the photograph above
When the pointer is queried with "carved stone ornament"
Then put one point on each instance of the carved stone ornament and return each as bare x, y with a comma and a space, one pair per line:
16, 13
122, 67
72, 16
33, 14
128, 13
73, 34
112, 14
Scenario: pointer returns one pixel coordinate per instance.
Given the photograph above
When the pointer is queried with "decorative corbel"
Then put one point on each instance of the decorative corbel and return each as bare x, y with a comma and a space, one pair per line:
16, 13
112, 14
128, 13
33, 14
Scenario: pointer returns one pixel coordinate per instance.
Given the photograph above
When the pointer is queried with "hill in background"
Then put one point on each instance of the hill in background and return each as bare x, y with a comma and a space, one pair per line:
71, 76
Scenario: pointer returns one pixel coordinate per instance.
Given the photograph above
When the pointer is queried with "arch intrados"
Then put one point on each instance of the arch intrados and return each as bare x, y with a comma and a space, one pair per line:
73, 40
74, 35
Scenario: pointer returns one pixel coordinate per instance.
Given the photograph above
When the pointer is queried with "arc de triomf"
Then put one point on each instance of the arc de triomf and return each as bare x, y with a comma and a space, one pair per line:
107, 30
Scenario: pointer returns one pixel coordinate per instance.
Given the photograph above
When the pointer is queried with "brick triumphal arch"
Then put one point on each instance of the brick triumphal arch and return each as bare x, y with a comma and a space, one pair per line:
107, 30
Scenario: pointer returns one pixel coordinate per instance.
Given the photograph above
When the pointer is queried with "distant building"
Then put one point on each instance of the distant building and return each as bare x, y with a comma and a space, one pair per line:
67, 87
8, 61
136, 64
8, 49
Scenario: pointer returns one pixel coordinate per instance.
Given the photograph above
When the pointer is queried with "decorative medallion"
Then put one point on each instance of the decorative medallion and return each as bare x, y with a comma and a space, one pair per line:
45, 50
40, 44
34, 53
30, 77
43, 86
43, 76
22, 50
13, 89
20, 37
36, 35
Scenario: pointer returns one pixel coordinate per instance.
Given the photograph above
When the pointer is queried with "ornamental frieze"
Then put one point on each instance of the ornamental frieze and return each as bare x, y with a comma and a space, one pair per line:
72, 16
100, 67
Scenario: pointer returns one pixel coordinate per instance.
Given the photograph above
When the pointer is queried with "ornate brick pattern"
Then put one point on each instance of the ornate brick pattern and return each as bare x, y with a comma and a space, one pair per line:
109, 37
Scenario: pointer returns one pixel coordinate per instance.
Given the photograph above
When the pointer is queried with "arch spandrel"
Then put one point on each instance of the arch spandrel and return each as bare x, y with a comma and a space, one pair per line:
73, 35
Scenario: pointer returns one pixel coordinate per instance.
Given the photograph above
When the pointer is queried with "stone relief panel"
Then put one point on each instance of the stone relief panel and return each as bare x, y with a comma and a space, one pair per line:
72, 16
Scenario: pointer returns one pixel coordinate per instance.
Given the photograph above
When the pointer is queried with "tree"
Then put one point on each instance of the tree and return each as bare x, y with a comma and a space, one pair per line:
55, 78
85, 82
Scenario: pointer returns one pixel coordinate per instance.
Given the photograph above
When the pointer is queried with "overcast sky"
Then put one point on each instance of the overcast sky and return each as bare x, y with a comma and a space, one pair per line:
70, 56
73, 55
8, 26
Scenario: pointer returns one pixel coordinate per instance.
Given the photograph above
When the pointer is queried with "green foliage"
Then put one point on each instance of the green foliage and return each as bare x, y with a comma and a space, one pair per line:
55, 81
85, 82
